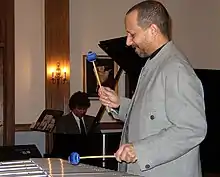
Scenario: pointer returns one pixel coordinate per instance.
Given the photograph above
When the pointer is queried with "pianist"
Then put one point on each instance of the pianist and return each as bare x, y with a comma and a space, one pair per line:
165, 120
76, 121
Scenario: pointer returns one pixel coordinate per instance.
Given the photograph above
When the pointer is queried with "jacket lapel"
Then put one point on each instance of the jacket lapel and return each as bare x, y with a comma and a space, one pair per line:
144, 74
75, 123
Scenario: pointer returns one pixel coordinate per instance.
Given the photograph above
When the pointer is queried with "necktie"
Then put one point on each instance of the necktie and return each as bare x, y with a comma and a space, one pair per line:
82, 127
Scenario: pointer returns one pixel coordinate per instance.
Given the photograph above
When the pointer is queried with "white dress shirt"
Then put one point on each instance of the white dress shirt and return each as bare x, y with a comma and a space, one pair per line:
78, 122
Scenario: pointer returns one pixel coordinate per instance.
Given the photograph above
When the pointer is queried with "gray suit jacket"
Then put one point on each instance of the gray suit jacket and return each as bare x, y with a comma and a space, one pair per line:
165, 119
67, 124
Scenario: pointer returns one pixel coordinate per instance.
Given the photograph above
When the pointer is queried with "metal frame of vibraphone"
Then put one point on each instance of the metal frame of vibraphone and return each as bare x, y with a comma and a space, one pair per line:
46, 167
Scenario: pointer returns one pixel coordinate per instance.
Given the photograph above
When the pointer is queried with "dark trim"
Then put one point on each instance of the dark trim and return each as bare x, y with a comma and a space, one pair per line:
2, 45
22, 127
9, 76
56, 48
104, 126
111, 125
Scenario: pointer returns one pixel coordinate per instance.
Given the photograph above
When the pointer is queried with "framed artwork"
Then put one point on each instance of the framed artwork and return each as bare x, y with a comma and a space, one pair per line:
106, 68
47, 121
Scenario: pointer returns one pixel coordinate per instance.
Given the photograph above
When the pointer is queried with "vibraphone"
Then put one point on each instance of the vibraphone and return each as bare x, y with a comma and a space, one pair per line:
46, 167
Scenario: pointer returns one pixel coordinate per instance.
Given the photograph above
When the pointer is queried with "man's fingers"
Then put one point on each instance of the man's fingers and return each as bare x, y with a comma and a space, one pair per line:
124, 156
108, 97
109, 91
126, 153
117, 158
118, 153
102, 91
104, 101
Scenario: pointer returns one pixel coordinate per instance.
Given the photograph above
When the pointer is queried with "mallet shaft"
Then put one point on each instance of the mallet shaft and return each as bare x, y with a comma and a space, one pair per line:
99, 82
96, 74
96, 157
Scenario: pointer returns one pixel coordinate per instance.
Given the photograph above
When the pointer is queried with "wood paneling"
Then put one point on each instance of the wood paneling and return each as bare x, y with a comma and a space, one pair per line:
7, 53
22, 127
111, 125
103, 125
9, 77
56, 50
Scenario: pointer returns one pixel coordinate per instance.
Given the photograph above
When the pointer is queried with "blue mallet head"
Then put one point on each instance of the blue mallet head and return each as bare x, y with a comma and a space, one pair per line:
91, 56
74, 158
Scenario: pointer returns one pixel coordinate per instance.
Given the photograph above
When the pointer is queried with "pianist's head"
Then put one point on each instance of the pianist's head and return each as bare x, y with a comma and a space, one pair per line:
148, 26
79, 103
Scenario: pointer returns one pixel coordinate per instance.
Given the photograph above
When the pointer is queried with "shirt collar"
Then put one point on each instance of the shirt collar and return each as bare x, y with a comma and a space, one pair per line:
76, 116
156, 52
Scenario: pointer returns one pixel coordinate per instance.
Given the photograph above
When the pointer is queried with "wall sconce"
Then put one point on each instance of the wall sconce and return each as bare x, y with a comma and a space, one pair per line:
58, 76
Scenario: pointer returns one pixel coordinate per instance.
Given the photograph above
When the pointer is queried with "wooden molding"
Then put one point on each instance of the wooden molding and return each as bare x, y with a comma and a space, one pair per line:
8, 55
2, 44
22, 127
57, 49
111, 125
103, 125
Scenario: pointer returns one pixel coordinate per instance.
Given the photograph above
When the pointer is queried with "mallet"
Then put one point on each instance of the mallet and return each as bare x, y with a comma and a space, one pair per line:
75, 158
91, 57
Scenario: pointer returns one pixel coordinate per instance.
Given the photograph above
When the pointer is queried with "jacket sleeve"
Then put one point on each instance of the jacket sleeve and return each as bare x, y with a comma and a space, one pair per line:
124, 105
184, 107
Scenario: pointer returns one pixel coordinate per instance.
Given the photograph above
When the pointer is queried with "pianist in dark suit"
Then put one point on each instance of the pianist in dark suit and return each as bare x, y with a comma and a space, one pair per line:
77, 122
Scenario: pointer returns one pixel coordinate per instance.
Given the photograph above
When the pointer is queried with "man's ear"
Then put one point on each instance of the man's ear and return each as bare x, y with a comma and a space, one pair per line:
154, 29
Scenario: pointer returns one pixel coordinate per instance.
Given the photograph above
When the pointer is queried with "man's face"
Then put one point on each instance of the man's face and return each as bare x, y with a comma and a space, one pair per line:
140, 39
79, 112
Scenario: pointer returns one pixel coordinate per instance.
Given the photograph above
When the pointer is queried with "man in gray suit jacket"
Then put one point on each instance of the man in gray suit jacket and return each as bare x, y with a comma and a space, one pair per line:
164, 122
77, 122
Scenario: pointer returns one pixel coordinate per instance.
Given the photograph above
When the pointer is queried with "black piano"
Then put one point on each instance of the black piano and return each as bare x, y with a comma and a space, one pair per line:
131, 63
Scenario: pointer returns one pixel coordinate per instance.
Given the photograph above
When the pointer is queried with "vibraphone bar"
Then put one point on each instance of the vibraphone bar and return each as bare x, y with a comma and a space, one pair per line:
48, 167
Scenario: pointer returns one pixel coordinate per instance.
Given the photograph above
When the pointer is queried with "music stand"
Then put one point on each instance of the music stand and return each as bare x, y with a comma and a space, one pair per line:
46, 121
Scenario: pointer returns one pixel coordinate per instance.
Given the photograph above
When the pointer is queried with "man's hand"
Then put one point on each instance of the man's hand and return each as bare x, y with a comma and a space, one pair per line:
108, 97
126, 153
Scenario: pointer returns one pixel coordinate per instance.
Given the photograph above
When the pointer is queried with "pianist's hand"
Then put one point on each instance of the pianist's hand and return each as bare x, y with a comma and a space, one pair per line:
108, 97
126, 153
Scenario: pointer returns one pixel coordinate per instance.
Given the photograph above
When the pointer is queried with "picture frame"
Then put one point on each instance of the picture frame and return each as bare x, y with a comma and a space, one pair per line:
106, 68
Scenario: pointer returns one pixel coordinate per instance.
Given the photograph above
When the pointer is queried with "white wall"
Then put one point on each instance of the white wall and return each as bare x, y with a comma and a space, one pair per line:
26, 138
195, 30
29, 60
90, 22
196, 27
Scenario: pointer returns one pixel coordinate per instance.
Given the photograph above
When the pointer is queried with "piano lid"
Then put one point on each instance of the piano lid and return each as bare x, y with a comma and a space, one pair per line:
123, 55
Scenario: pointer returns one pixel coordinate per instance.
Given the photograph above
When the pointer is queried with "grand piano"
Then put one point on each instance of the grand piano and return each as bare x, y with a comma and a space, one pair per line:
131, 63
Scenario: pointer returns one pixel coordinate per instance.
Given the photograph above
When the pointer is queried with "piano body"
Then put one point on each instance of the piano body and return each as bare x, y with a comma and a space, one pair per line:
126, 58
131, 63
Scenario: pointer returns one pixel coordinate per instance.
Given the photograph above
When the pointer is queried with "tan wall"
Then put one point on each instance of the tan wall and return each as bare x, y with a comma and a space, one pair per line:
196, 31
29, 60
196, 27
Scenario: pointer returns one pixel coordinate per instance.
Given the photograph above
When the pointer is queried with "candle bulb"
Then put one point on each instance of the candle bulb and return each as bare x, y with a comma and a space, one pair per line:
64, 77
52, 75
